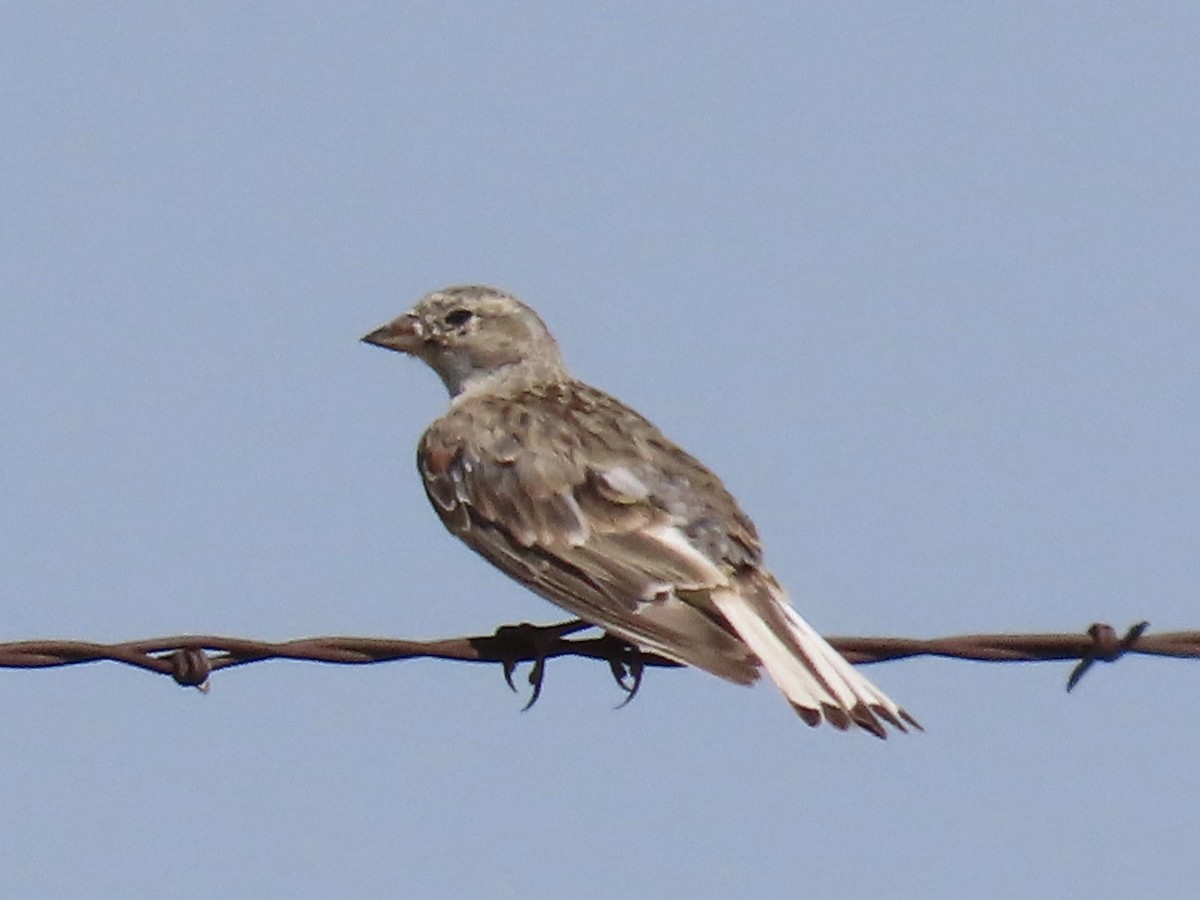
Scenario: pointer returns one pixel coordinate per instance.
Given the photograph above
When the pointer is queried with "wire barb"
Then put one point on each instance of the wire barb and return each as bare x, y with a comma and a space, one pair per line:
190, 667
1105, 647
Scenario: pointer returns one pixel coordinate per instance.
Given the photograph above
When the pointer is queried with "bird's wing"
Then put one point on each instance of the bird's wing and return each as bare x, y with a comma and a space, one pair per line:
560, 515
589, 505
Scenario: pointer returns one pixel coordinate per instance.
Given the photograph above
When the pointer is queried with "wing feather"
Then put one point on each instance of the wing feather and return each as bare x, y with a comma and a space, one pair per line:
606, 558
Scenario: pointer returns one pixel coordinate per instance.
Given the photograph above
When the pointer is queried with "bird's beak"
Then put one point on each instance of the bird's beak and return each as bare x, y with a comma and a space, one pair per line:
402, 334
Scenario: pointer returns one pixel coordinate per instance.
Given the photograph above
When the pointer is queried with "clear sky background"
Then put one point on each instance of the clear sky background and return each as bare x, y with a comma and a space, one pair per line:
922, 283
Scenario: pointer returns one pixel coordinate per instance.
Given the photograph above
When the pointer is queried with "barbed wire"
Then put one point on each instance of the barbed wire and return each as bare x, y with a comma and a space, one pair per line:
190, 660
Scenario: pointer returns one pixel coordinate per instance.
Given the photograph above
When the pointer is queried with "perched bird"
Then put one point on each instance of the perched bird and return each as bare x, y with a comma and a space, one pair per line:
575, 495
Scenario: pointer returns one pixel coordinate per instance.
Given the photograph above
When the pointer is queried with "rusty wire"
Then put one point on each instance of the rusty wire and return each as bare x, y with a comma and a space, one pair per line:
191, 659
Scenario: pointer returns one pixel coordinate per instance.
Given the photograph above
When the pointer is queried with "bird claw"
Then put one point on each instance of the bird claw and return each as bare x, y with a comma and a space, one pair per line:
510, 666
537, 675
627, 667
532, 643
633, 670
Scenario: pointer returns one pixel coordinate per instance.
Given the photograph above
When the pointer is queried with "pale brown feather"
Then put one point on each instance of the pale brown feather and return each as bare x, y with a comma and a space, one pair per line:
544, 512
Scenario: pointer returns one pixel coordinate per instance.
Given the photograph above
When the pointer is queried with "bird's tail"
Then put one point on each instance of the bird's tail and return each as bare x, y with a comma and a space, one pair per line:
815, 678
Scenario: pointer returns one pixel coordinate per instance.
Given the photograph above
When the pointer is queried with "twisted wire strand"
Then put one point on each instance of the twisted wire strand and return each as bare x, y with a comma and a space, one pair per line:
191, 659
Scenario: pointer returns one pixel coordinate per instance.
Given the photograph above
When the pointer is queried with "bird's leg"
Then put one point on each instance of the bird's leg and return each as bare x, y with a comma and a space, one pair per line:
532, 642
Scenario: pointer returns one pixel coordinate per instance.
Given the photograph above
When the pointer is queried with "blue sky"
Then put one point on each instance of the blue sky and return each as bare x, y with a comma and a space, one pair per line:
920, 283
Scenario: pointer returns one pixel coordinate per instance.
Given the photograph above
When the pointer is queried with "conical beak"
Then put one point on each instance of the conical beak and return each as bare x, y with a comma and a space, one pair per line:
402, 334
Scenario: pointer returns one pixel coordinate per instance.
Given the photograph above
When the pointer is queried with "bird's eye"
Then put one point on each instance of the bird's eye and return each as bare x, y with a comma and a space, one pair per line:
456, 318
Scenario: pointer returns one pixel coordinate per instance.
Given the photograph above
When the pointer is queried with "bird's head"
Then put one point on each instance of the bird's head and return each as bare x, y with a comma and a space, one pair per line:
473, 336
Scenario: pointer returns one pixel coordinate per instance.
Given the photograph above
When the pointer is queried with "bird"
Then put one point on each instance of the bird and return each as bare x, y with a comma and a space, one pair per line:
586, 502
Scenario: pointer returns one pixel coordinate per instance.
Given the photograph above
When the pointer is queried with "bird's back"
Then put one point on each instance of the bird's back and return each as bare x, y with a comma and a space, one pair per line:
556, 436
583, 500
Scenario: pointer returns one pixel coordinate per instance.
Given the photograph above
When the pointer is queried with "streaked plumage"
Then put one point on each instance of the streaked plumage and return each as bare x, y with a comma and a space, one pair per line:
574, 494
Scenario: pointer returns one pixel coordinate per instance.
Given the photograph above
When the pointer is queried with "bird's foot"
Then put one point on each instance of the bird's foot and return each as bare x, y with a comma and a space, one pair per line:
626, 663
533, 643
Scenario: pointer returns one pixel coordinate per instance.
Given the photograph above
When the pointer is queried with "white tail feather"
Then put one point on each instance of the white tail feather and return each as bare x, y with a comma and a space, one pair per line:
810, 673
861, 686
